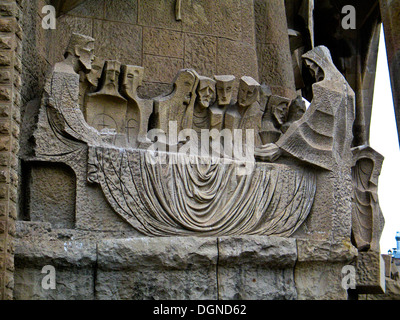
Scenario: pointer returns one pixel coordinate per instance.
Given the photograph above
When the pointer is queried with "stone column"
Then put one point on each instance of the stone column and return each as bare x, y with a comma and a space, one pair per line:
273, 49
10, 83
390, 11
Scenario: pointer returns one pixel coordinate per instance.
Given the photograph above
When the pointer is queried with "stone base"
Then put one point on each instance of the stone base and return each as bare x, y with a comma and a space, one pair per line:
189, 268
370, 273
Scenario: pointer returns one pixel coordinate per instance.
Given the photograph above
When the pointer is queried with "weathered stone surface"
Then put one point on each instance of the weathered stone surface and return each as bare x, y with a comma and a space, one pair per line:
52, 195
158, 13
163, 268
392, 292
256, 267
108, 46
236, 58
126, 11
161, 42
90, 9
161, 69
318, 272
370, 273
201, 53
227, 19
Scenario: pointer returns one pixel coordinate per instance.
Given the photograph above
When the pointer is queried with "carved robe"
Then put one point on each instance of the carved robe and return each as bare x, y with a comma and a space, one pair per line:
323, 136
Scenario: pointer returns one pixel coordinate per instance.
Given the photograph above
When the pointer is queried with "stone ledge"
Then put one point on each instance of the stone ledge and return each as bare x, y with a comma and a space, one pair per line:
266, 251
56, 253
176, 253
325, 250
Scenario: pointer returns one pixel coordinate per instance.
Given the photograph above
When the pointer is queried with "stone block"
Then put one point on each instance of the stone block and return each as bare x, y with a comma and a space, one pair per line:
161, 69
236, 58
247, 22
5, 58
318, 272
91, 9
272, 69
52, 195
71, 284
118, 41
123, 10
162, 42
73, 263
201, 54
158, 13
6, 42
256, 267
7, 25
198, 16
370, 273
157, 268
227, 19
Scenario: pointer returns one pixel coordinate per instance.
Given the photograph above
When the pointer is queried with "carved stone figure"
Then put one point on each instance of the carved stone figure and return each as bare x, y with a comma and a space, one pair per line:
246, 113
224, 89
275, 116
90, 81
179, 104
60, 113
323, 136
139, 110
106, 108
205, 97
367, 218
297, 108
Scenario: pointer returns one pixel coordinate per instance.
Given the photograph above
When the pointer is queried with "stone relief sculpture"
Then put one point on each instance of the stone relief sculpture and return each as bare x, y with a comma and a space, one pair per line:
139, 110
246, 113
367, 218
179, 104
106, 109
323, 136
275, 116
205, 97
224, 90
163, 192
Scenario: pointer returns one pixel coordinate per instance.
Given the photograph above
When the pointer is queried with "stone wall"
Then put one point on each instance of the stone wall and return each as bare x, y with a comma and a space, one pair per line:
10, 102
226, 268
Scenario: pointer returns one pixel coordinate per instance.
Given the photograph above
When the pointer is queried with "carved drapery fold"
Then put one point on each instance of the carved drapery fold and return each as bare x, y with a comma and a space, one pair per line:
187, 198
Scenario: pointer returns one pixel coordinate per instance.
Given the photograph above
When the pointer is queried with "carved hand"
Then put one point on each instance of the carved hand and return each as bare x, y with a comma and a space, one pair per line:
269, 152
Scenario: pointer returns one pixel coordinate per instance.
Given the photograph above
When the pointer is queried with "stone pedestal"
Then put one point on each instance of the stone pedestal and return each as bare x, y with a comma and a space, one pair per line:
107, 266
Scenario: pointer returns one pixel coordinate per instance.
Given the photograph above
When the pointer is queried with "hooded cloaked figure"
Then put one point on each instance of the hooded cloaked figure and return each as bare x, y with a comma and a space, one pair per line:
323, 136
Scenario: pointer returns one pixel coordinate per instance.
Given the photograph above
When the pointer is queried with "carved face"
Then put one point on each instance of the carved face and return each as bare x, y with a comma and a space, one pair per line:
86, 55
206, 92
247, 95
186, 81
224, 92
315, 70
95, 73
132, 79
281, 112
111, 75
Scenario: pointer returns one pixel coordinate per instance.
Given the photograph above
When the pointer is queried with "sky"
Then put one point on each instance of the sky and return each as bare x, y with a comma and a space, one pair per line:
384, 139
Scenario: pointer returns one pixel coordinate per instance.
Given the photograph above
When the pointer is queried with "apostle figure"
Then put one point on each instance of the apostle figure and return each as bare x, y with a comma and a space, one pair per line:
106, 108
138, 110
224, 90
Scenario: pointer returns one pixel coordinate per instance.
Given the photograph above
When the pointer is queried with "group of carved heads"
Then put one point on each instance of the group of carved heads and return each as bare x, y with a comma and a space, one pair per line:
122, 81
